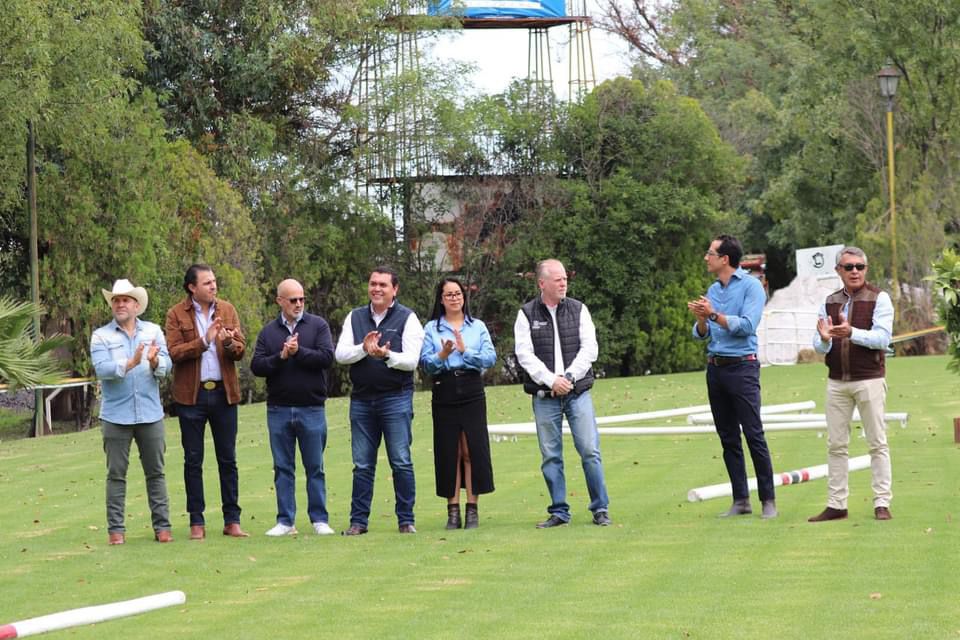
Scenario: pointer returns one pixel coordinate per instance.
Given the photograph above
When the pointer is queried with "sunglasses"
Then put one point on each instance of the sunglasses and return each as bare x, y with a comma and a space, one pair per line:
850, 267
295, 300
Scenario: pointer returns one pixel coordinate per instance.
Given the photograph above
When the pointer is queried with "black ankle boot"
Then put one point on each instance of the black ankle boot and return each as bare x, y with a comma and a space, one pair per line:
453, 516
473, 517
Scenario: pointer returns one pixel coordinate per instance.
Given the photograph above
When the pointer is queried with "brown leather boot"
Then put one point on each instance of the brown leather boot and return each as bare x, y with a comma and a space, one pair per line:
453, 516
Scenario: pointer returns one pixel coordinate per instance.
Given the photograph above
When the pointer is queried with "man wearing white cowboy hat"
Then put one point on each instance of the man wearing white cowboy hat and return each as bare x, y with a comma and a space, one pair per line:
129, 356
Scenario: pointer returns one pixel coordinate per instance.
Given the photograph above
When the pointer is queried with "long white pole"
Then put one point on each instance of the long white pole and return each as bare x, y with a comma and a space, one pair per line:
509, 428
900, 417
90, 615
779, 479
525, 429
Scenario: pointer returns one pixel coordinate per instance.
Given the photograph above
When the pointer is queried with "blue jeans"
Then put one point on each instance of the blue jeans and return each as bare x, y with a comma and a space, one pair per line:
287, 427
548, 413
389, 415
210, 406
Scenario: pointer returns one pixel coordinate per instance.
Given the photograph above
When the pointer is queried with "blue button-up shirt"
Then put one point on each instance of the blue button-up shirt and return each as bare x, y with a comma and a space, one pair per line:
479, 353
741, 301
129, 397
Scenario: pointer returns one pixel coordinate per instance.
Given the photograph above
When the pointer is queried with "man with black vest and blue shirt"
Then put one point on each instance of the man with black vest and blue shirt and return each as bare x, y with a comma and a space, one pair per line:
294, 353
381, 342
556, 344
727, 318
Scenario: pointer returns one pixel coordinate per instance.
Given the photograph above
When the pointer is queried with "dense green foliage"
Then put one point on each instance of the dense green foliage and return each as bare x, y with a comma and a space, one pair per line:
24, 361
946, 281
792, 86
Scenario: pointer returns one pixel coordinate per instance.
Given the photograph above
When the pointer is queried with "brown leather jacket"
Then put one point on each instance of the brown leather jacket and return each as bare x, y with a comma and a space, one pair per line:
185, 345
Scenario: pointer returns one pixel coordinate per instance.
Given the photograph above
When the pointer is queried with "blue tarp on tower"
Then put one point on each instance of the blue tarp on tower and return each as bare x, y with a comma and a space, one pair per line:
498, 8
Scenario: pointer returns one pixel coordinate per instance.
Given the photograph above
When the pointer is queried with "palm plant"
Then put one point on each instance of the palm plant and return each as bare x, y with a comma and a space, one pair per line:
23, 361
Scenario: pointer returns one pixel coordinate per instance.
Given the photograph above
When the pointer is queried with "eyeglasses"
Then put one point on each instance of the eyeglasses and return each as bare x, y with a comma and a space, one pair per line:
453, 296
296, 300
850, 267
711, 252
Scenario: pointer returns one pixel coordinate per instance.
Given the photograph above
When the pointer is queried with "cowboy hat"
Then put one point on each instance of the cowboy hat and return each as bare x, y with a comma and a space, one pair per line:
124, 287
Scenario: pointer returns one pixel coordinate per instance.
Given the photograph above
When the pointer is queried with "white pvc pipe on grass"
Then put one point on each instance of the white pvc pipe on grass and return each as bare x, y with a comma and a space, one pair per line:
764, 410
779, 479
803, 417
90, 615
524, 428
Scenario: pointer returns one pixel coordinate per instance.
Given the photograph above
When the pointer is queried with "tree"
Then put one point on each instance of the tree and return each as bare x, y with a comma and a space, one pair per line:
791, 85
649, 183
25, 362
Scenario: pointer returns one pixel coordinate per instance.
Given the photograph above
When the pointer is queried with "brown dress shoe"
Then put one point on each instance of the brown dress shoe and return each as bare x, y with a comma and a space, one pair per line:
117, 538
882, 513
355, 530
829, 514
407, 528
234, 531
197, 532
163, 535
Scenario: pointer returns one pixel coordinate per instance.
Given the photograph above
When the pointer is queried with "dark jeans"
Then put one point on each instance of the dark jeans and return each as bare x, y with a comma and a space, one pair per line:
211, 407
734, 392
388, 417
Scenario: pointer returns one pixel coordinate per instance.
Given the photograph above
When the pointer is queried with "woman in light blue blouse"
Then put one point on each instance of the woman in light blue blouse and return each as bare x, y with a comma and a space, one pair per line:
456, 350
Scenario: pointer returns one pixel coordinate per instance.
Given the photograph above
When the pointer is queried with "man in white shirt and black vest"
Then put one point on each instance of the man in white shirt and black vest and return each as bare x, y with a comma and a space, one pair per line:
556, 344
381, 341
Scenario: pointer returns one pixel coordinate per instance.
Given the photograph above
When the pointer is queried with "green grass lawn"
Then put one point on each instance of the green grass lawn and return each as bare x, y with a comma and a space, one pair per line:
666, 569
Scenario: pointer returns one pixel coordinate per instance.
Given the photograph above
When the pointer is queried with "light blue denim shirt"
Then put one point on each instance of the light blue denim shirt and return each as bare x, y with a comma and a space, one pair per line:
876, 337
479, 353
128, 397
741, 301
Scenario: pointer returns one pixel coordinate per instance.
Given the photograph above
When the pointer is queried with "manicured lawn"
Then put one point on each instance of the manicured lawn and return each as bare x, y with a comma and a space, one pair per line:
666, 569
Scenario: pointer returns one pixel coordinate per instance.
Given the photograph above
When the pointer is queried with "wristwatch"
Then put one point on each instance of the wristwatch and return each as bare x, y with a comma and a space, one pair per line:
713, 316
569, 377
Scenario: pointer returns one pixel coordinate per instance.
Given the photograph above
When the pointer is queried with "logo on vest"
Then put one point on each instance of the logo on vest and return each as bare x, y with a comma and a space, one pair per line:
538, 324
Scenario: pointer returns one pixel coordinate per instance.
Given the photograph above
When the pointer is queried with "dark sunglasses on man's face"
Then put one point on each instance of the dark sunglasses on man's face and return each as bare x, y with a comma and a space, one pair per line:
850, 267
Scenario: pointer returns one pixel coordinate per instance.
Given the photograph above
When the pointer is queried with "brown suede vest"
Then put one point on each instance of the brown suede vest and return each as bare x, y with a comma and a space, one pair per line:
846, 360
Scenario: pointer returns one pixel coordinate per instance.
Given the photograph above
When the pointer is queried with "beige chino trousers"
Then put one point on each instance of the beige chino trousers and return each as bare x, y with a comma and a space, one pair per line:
869, 396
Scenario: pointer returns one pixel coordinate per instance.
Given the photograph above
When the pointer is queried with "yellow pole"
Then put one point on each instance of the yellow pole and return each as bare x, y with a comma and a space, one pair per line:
893, 203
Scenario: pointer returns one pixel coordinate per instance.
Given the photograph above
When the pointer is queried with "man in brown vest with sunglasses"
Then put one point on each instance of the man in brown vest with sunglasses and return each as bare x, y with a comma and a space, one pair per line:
853, 332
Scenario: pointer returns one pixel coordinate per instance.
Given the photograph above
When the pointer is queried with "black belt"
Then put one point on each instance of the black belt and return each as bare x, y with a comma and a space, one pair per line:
722, 361
211, 385
459, 373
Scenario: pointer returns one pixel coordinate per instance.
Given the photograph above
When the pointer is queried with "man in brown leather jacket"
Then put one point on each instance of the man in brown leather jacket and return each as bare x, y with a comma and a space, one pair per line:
205, 342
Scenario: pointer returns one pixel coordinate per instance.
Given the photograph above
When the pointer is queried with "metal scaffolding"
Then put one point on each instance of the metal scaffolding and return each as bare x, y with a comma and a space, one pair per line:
394, 134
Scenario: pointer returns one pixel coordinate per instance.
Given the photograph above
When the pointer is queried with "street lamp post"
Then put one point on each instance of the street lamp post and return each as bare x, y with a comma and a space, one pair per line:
888, 78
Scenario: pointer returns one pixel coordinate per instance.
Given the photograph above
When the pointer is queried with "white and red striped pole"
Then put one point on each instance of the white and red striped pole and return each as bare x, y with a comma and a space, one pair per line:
779, 479
90, 615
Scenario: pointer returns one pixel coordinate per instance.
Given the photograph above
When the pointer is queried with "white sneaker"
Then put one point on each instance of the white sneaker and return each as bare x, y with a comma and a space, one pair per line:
322, 529
280, 529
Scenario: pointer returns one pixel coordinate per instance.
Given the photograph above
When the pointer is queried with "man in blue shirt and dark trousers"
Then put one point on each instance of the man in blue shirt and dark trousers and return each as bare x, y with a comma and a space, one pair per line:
728, 317
294, 353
